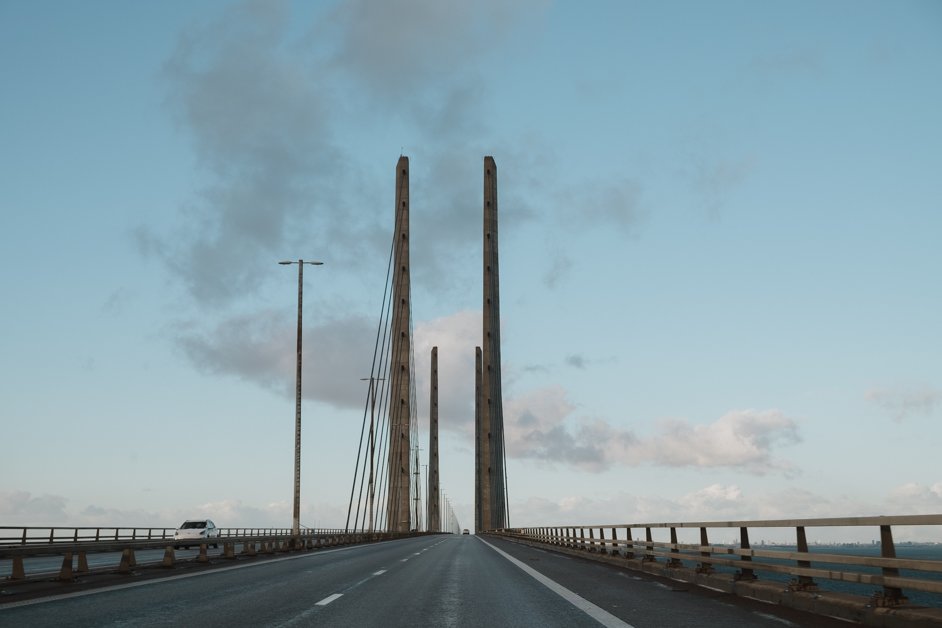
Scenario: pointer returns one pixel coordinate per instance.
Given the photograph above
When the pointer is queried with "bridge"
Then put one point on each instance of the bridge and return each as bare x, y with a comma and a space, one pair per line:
397, 561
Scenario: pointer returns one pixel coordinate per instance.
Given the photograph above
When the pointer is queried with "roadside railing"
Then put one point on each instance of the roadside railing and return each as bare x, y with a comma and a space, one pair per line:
75, 543
13, 535
743, 561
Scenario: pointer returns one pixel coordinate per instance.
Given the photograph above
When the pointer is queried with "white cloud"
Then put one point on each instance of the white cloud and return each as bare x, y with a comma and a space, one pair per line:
538, 425
917, 499
456, 336
740, 438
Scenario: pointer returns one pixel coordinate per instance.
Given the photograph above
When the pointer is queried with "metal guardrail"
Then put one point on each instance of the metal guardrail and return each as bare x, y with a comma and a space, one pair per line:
31, 535
745, 560
74, 543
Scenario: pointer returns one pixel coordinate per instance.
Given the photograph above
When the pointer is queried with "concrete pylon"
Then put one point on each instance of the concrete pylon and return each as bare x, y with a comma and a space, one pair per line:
398, 515
492, 501
434, 510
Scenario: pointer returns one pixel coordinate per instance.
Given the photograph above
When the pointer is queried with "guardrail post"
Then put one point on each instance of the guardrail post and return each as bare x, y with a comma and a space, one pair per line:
803, 583
248, 548
648, 549
18, 571
592, 547
745, 573
82, 563
630, 547
127, 561
203, 558
65, 574
705, 566
674, 560
169, 557
615, 551
891, 596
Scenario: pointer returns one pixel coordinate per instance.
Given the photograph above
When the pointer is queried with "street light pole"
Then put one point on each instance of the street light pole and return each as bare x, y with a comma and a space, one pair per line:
296, 516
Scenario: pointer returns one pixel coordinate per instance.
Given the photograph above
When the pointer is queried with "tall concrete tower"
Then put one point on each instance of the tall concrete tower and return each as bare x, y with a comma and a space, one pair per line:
398, 515
492, 502
434, 511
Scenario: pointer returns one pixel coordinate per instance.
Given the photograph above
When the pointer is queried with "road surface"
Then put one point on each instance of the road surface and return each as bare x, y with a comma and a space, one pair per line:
445, 580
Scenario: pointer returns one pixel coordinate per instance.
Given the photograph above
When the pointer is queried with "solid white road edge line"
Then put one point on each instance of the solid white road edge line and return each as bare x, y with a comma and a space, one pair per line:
330, 598
597, 613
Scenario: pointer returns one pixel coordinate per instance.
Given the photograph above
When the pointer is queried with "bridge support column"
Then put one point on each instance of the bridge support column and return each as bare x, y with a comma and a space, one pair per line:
648, 548
127, 561
492, 471
890, 596
169, 557
745, 573
705, 567
65, 574
674, 560
82, 562
18, 572
228, 550
803, 583
433, 518
248, 548
399, 500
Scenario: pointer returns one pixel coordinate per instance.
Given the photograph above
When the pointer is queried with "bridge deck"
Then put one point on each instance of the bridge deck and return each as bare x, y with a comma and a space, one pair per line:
434, 580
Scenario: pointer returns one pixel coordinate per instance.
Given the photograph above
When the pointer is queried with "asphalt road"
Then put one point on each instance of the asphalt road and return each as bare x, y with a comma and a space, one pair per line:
425, 581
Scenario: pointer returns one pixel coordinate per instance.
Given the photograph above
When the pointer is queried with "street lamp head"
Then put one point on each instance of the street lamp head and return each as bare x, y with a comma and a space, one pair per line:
285, 263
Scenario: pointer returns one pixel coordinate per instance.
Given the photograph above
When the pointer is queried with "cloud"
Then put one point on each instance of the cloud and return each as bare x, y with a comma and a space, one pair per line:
399, 48
740, 438
22, 507
902, 404
456, 336
538, 426
714, 180
260, 348
576, 361
560, 267
259, 120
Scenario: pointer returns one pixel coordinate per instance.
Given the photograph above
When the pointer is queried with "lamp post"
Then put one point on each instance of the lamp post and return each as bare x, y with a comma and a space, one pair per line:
372, 441
296, 518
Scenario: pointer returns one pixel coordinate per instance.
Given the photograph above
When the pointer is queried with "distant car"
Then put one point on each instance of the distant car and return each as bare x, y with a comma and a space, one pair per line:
465, 531
197, 531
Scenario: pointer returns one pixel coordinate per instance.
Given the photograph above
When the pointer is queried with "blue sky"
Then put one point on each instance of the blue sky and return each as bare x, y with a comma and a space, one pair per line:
720, 229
